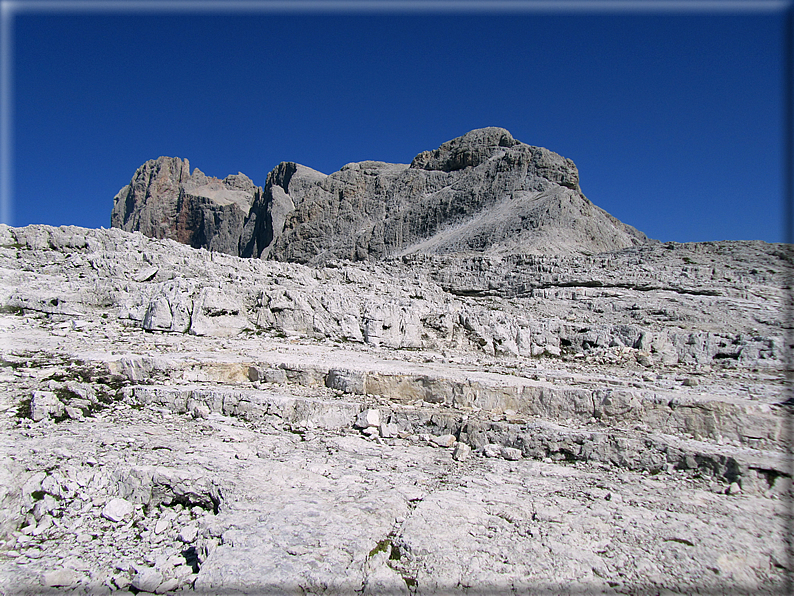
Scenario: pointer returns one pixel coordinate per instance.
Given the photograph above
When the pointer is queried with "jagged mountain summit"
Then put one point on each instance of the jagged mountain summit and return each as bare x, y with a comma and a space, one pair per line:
483, 192
164, 200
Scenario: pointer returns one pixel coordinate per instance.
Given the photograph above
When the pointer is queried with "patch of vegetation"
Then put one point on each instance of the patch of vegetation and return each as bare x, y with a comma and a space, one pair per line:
382, 547
60, 418
12, 310
23, 409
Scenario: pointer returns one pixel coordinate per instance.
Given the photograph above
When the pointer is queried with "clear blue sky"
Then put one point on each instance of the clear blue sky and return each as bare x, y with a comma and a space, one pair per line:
675, 120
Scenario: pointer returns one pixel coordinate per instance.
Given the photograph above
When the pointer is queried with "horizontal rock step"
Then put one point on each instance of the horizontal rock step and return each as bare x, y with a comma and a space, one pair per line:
536, 438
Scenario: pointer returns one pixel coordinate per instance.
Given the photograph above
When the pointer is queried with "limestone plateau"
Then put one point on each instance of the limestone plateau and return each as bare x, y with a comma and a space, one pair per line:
483, 192
428, 384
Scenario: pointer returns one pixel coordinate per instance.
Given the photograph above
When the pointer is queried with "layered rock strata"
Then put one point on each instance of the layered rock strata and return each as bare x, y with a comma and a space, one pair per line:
182, 420
482, 192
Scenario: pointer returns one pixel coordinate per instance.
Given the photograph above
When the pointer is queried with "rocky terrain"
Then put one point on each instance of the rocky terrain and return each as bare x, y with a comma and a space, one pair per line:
436, 421
483, 192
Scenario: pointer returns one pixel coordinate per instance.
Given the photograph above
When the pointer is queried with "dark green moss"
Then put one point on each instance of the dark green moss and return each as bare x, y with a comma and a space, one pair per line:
23, 409
382, 547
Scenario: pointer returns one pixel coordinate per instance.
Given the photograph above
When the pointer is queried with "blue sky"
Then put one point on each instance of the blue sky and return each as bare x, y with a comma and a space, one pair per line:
675, 119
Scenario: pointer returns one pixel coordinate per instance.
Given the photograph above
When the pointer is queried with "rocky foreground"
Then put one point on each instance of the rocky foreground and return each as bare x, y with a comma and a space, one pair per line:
176, 420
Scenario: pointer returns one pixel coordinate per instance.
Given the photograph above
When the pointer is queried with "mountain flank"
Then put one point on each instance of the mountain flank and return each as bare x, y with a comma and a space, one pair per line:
484, 192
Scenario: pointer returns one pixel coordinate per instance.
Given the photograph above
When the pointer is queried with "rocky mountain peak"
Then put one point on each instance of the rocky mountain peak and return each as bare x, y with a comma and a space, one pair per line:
470, 150
164, 200
481, 192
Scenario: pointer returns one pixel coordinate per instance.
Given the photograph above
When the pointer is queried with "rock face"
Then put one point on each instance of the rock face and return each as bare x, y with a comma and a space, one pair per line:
164, 200
183, 420
483, 192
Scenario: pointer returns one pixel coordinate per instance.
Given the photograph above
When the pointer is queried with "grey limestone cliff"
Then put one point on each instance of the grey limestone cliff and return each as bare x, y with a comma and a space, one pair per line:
164, 200
484, 192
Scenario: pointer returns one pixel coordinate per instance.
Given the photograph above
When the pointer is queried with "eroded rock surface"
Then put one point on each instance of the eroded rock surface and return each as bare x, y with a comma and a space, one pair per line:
179, 420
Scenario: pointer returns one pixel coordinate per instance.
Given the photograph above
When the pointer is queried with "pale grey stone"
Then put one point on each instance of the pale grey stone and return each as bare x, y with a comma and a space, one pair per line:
188, 533
368, 418
147, 579
382, 579
447, 350
388, 430
461, 452
44, 404
74, 413
492, 450
443, 440
60, 578
117, 510
167, 586
511, 453
145, 274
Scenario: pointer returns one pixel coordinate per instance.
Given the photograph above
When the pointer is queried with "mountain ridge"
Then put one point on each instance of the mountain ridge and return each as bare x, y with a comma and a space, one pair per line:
482, 192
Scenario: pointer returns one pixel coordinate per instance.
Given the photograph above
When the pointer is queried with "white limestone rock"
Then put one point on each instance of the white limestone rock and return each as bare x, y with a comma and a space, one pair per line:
60, 578
216, 313
461, 452
443, 440
511, 453
381, 578
188, 533
176, 418
147, 579
44, 404
117, 510
368, 418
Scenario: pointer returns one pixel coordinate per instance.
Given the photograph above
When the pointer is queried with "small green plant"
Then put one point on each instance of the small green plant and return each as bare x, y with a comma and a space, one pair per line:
23, 409
381, 547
